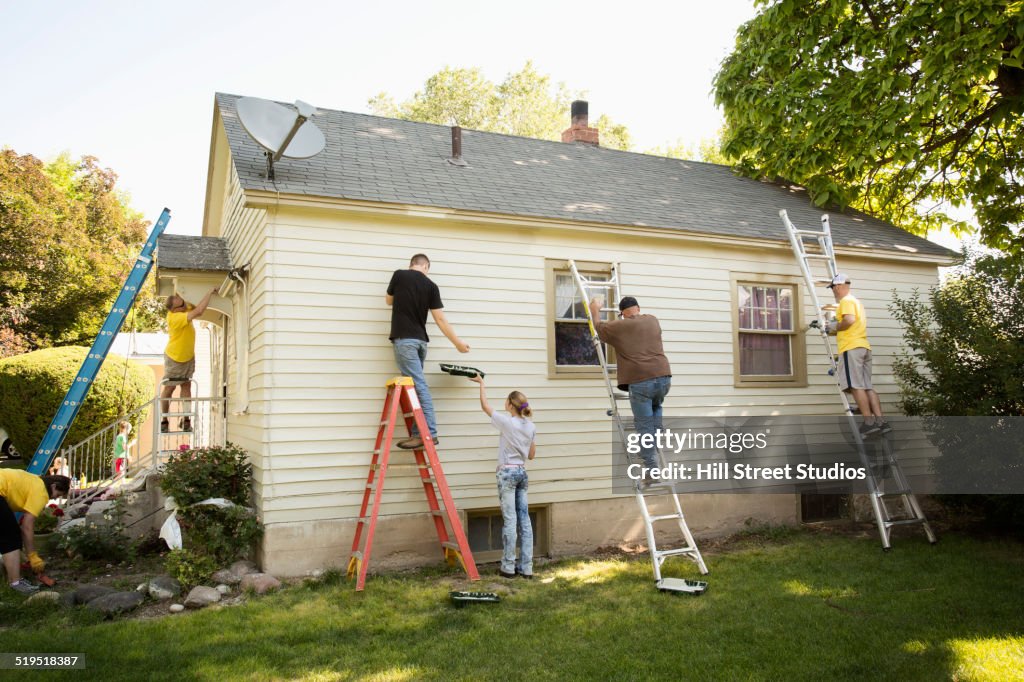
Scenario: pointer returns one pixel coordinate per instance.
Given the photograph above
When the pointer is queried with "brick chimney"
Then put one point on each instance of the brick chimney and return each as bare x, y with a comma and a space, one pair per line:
579, 131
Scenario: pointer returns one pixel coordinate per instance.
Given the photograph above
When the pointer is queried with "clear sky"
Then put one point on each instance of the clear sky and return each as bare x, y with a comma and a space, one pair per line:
132, 83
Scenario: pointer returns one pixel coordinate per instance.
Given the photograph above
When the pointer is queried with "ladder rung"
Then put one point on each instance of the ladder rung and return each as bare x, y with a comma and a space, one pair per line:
894, 493
452, 545
438, 512
904, 522
665, 517
620, 396
810, 233
178, 414
675, 552
818, 256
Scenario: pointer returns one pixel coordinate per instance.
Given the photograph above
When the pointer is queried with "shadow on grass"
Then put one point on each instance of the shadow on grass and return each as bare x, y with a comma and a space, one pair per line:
811, 608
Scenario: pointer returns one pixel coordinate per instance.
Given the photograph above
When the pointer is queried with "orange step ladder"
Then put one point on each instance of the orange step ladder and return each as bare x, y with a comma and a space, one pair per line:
402, 396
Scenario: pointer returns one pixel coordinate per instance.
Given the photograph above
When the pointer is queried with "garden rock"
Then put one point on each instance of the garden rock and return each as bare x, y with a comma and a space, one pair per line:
47, 596
260, 583
243, 568
223, 589
164, 587
227, 577
86, 593
202, 596
118, 602
177, 608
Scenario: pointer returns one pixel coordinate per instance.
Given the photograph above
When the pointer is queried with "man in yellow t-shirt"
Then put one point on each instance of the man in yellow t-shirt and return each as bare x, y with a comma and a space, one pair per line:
851, 329
26, 493
180, 354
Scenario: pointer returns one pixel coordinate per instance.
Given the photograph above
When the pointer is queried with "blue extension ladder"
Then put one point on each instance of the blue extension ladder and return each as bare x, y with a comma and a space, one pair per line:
68, 410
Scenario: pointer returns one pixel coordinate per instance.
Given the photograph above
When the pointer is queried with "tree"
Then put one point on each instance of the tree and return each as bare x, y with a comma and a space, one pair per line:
708, 150
525, 103
900, 108
67, 240
966, 358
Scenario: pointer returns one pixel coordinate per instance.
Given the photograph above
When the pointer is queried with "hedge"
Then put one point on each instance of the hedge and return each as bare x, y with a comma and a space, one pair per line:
33, 385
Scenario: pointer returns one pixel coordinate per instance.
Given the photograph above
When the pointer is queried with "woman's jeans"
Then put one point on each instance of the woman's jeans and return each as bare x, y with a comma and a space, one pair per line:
512, 485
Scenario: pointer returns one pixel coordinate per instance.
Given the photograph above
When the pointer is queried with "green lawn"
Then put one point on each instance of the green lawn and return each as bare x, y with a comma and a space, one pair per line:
789, 606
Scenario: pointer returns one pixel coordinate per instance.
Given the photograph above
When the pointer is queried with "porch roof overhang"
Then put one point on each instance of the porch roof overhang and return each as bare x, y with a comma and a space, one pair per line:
190, 266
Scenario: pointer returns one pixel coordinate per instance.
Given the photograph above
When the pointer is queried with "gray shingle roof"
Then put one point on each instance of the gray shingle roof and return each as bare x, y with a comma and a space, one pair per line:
184, 252
389, 160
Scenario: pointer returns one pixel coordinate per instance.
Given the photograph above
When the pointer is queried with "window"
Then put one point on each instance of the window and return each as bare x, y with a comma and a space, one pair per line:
483, 530
570, 346
767, 349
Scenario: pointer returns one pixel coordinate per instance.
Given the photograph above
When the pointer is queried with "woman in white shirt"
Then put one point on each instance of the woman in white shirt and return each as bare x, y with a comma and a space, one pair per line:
516, 445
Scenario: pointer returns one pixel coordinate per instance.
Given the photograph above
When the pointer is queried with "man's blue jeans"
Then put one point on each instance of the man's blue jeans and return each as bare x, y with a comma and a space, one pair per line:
515, 515
411, 356
646, 398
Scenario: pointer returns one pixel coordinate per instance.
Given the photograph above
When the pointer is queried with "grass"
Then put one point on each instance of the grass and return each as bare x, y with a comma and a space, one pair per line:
781, 606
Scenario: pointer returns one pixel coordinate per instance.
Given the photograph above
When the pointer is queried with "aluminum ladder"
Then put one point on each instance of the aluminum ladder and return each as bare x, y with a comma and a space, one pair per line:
68, 409
820, 248
611, 291
401, 401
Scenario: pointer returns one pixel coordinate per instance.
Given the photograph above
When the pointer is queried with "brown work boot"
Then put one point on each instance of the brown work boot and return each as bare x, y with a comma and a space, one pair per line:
414, 443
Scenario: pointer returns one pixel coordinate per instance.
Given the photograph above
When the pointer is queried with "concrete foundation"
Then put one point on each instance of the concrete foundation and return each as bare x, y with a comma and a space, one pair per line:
406, 541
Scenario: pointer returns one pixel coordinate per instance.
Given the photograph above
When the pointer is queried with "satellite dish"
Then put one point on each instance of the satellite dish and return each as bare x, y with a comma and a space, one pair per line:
281, 131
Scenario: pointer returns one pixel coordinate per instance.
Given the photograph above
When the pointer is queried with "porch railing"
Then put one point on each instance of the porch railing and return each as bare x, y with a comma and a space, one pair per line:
93, 467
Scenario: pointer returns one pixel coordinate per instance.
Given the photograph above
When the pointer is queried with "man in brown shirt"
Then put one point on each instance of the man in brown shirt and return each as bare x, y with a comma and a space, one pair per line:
642, 367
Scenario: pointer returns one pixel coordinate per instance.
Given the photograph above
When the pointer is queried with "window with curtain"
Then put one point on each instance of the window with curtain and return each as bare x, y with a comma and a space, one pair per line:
766, 331
573, 344
570, 347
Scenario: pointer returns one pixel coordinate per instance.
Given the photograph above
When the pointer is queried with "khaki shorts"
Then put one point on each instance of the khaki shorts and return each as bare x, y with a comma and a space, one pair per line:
178, 371
855, 369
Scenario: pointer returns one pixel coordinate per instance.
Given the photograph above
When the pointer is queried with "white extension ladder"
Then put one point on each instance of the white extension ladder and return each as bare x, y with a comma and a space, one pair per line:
612, 293
885, 478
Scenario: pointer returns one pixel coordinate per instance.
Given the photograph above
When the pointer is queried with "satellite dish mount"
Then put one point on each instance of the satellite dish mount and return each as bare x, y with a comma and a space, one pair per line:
280, 130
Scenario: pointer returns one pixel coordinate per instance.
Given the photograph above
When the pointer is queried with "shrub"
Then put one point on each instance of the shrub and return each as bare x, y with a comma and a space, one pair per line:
223, 534
189, 568
94, 542
195, 475
33, 385
965, 358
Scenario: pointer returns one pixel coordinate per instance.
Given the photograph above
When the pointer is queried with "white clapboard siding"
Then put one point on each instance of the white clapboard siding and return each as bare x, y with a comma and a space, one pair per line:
319, 354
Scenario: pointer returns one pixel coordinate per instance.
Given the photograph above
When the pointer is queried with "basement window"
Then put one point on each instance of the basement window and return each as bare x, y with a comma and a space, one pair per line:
484, 530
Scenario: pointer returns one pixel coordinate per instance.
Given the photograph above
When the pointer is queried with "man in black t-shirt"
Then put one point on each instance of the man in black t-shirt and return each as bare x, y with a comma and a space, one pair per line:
411, 294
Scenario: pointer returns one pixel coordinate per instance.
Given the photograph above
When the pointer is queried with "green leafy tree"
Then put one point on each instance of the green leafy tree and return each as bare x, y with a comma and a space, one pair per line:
900, 108
965, 357
67, 241
708, 150
526, 103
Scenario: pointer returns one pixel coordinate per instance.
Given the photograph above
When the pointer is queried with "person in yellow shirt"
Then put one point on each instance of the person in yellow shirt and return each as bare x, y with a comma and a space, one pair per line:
180, 354
26, 493
851, 329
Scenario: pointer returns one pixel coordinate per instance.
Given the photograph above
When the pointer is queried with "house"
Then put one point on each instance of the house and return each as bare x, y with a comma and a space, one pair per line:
305, 353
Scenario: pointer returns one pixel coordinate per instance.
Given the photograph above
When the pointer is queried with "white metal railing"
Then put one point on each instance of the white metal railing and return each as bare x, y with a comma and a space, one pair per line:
93, 467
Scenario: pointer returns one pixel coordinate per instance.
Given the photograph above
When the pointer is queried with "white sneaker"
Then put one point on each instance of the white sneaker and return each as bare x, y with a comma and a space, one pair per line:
25, 587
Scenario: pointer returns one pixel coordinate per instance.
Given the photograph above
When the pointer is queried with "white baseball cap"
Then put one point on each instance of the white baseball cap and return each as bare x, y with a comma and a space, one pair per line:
841, 278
